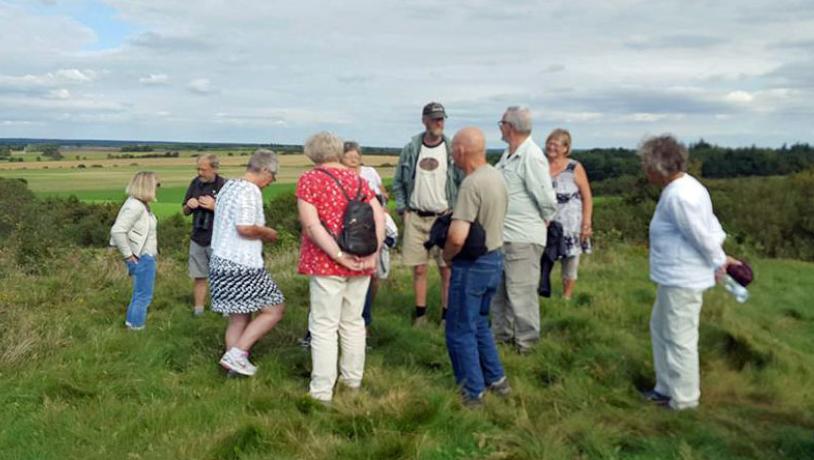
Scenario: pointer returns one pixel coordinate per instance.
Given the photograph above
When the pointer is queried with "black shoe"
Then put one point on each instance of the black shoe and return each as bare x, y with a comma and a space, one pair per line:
305, 342
657, 398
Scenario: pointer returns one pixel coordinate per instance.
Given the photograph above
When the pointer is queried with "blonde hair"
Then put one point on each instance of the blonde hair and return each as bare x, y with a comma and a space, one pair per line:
561, 134
142, 186
323, 147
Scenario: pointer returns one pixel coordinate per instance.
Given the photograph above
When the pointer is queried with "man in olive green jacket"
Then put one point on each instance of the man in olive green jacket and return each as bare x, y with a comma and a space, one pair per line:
425, 186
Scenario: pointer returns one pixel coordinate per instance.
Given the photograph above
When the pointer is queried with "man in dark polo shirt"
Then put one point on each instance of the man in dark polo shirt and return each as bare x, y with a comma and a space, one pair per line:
200, 202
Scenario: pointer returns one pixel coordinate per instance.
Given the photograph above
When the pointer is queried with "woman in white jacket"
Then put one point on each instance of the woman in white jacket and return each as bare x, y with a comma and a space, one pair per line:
686, 258
135, 236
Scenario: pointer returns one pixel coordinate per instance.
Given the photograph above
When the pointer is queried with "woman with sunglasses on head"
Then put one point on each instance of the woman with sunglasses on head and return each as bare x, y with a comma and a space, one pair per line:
134, 234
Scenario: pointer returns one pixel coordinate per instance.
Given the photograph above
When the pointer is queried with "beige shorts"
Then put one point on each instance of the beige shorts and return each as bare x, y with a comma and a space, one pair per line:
416, 232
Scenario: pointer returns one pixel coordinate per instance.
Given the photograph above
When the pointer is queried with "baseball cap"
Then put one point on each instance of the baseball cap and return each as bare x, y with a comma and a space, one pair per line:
434, 110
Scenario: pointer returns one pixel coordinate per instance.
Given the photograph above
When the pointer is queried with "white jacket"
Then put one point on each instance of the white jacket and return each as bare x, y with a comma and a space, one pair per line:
134, 232
685, 237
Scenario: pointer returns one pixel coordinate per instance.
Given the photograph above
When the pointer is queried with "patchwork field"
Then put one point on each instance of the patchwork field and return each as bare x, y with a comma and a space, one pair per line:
104, 180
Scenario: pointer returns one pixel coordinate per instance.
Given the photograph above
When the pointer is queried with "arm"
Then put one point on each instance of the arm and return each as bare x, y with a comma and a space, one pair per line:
456, 236
700, 228
127, 218
314, 231
538, 184
399, 185
254, 232
581, 179
189, 202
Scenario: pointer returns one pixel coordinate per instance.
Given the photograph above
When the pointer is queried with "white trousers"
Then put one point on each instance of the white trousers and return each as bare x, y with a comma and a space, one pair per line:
674, 333
336, 310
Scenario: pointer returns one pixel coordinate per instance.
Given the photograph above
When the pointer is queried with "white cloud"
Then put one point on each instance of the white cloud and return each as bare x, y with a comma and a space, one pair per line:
200, 86
61, 93
48, 80
740, 97
604, 70
155, 79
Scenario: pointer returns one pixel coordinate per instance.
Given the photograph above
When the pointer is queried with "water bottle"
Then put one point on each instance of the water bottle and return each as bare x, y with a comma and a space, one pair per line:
739, 292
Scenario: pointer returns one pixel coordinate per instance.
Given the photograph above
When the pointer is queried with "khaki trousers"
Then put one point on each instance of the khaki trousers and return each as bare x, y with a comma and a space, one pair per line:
336, 316
516, 307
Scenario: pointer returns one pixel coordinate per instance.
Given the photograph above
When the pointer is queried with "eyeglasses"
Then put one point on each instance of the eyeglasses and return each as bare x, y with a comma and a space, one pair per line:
502, 122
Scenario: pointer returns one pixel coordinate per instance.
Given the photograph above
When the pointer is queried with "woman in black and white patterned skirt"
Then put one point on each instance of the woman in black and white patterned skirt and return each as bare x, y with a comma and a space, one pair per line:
239, 283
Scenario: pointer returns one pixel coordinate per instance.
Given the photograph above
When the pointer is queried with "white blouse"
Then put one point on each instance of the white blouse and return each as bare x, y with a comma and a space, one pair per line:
239, 203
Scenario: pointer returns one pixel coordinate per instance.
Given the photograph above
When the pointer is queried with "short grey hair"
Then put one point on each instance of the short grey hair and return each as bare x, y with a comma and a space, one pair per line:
519, 118
351, 145
323, 147
212, 159
664, 155
263, 160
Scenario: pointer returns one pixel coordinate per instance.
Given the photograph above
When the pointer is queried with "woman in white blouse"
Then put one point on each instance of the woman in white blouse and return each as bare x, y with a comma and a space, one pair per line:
686, 258
240, 286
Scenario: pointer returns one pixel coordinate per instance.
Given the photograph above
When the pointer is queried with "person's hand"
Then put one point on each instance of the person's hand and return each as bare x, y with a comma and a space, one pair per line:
348, 261
721, 271
206, 202
585, 233
192, 203
132, 259
365, 263
270, 235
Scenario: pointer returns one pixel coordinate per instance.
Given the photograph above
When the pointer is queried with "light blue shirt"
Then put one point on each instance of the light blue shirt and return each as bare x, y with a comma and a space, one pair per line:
531, 197
685, 237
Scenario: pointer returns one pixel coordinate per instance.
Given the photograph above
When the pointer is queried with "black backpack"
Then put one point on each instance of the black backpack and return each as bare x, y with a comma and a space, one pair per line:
358, 235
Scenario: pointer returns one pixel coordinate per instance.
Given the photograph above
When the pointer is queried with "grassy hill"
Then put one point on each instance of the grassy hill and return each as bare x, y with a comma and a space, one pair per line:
75, 384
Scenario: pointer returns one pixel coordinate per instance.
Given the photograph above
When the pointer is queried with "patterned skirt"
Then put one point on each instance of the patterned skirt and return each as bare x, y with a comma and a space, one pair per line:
237, 289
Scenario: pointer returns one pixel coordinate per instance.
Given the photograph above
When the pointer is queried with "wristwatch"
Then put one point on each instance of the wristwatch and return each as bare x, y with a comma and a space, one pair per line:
339, 255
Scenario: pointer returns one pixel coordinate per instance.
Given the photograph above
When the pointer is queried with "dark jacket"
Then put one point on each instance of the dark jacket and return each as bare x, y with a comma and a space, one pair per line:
474, 246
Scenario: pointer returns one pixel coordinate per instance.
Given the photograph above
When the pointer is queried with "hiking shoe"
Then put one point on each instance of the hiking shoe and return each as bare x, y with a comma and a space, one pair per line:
198, 311
471, 402
305, 342
501, 387
657, 398
234, 362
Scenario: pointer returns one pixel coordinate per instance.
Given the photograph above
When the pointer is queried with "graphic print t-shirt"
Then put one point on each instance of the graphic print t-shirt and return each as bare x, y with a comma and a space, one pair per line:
429, 192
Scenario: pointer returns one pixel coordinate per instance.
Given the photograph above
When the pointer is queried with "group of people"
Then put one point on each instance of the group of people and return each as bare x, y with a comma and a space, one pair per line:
499, 218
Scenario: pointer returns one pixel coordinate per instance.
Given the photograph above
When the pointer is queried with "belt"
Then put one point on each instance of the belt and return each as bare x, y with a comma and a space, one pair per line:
427, 213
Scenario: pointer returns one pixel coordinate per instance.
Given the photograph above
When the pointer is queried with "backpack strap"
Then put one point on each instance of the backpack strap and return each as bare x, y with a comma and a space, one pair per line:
342, 189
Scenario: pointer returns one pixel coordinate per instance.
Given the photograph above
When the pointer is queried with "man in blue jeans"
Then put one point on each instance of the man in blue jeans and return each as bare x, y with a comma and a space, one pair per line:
482, 199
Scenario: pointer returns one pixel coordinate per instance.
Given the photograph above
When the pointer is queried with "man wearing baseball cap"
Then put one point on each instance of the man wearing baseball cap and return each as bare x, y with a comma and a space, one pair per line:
425, 186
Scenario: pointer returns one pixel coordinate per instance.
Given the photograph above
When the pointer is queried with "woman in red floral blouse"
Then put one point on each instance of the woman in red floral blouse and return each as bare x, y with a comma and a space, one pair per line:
338, 281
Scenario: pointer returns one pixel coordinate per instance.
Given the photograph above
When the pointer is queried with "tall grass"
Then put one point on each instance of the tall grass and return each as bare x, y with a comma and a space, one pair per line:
75, 384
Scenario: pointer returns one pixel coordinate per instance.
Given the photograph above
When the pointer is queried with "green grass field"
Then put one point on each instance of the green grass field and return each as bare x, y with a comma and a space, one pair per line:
107, 183
75, 384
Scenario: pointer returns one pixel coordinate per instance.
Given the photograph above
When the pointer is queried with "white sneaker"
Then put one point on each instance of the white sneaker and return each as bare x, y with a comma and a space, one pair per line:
133, 328
234, 362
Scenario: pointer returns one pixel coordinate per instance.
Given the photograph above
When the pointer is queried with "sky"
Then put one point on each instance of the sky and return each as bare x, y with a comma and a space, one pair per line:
612, 72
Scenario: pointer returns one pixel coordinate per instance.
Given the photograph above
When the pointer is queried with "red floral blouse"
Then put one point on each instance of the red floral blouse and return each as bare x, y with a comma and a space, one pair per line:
318, 189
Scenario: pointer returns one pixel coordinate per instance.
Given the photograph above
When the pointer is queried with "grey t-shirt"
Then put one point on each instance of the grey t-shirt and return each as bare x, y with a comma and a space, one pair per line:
483, 198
